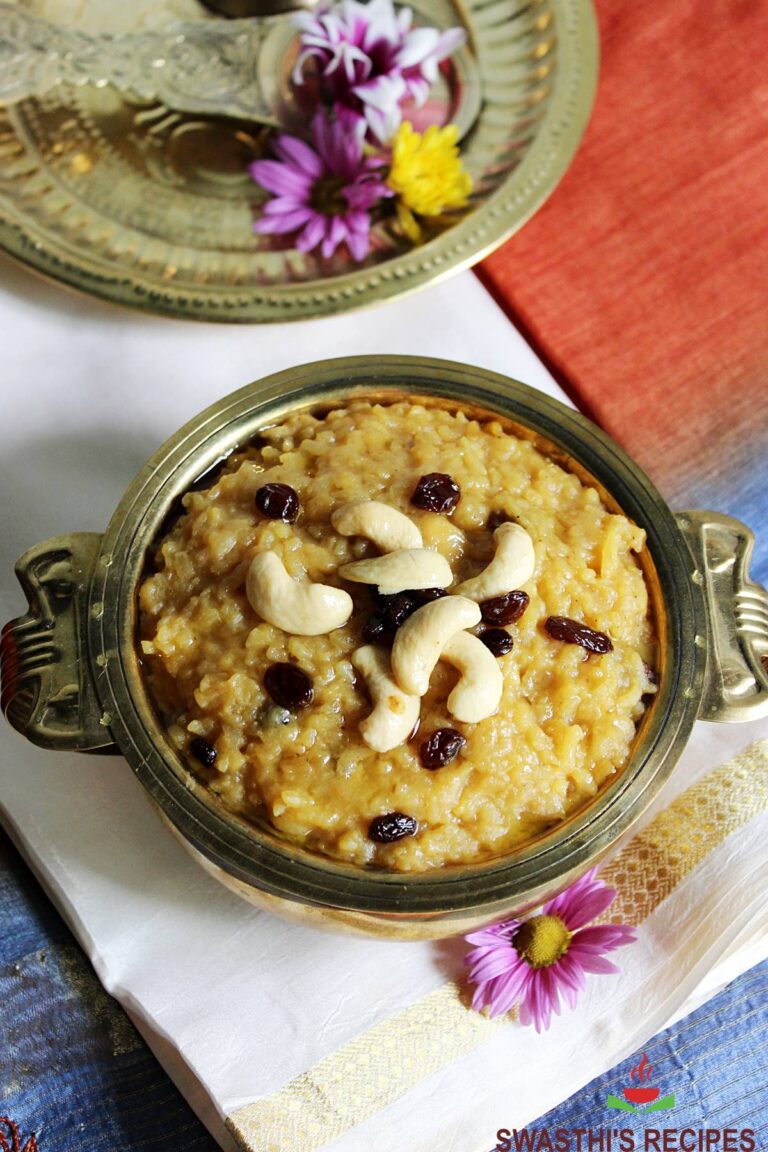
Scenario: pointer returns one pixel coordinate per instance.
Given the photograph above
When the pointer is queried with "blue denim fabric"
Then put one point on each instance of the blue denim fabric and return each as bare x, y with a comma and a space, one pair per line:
74, 1071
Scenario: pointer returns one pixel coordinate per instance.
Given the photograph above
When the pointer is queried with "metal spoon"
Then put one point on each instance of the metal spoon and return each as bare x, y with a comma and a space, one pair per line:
207, 66
237, 69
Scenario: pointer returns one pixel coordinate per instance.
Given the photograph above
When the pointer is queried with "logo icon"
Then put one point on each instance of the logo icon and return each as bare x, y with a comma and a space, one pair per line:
10, 1138
642, 1096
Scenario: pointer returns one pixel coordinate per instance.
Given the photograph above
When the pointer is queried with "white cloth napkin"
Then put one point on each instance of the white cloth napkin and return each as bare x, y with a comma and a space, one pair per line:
297, 1038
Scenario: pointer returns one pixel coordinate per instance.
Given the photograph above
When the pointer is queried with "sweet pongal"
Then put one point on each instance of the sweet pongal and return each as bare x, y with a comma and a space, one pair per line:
399, 635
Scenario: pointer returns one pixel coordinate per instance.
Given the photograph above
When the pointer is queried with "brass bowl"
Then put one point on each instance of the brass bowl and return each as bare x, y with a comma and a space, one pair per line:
72, 676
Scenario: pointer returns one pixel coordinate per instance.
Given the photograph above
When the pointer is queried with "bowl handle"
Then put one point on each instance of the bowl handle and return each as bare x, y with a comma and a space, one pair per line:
736, 677
48, 692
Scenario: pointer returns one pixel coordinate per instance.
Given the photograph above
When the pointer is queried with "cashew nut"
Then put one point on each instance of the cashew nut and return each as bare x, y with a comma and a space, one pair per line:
394, 712
299, 608
385, 526
407, 568
512, 566
478, 692
420, 640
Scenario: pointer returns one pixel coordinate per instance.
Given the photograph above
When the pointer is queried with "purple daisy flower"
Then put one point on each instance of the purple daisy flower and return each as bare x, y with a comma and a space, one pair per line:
535, 962
323, 192
370, 58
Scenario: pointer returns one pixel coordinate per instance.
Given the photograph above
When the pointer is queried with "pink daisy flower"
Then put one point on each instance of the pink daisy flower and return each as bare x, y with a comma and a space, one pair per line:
371, 59
325, 192
535, 962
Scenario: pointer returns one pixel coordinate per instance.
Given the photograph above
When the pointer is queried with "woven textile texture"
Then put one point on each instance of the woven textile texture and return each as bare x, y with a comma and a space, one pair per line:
643, 282
73, 1070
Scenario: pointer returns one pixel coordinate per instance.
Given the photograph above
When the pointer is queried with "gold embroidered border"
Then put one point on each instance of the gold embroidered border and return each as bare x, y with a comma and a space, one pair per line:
655, 861
376, 1068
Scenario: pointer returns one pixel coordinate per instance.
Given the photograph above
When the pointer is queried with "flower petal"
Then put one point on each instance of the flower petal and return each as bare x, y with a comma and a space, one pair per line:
303, 21
590, 905
449, 41
358, 244
357, 223
590, 962
291, 220
496, 932
550, 989
418, 90
582, 902
605, 937
333, 232
312, 234
382, 93
382, 23
492, 964
418, 45
504, 992
535, 1008
570, 979
300, 155
382, 126
511, 989
280, 178
273, 225
280, 204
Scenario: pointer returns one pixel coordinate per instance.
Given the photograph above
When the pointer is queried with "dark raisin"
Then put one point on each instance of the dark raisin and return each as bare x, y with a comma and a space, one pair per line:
380, 628
288, 686
505, 609
204, 752
572, 632
278, 502
651, 674
497, 640
436, 492
375, 630
496, 519
398, 608
392, 826
426, 595
441, 747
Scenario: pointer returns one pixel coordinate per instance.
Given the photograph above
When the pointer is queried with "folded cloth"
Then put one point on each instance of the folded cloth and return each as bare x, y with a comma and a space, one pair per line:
279, 1036
642, 281
298, 1039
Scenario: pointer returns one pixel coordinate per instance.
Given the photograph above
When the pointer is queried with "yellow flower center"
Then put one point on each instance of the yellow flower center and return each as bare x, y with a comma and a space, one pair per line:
541, 941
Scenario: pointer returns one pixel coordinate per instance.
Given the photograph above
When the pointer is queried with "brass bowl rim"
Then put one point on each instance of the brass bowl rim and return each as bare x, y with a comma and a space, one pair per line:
264, 861
480, 232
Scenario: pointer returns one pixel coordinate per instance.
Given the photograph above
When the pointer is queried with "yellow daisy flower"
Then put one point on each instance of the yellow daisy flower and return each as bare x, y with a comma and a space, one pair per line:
426, 175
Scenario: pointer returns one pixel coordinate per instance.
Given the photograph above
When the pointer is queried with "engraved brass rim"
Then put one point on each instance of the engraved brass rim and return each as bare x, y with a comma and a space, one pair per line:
75, 210
265, 861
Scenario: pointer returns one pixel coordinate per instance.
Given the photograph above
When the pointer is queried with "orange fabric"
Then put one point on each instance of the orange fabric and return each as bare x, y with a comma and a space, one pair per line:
644, 279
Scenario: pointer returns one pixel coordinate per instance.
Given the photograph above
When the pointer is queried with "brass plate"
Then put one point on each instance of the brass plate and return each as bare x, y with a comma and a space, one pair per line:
147, 207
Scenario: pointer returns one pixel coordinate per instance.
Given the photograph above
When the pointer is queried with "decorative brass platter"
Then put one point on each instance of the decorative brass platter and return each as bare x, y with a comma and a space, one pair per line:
148, 207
